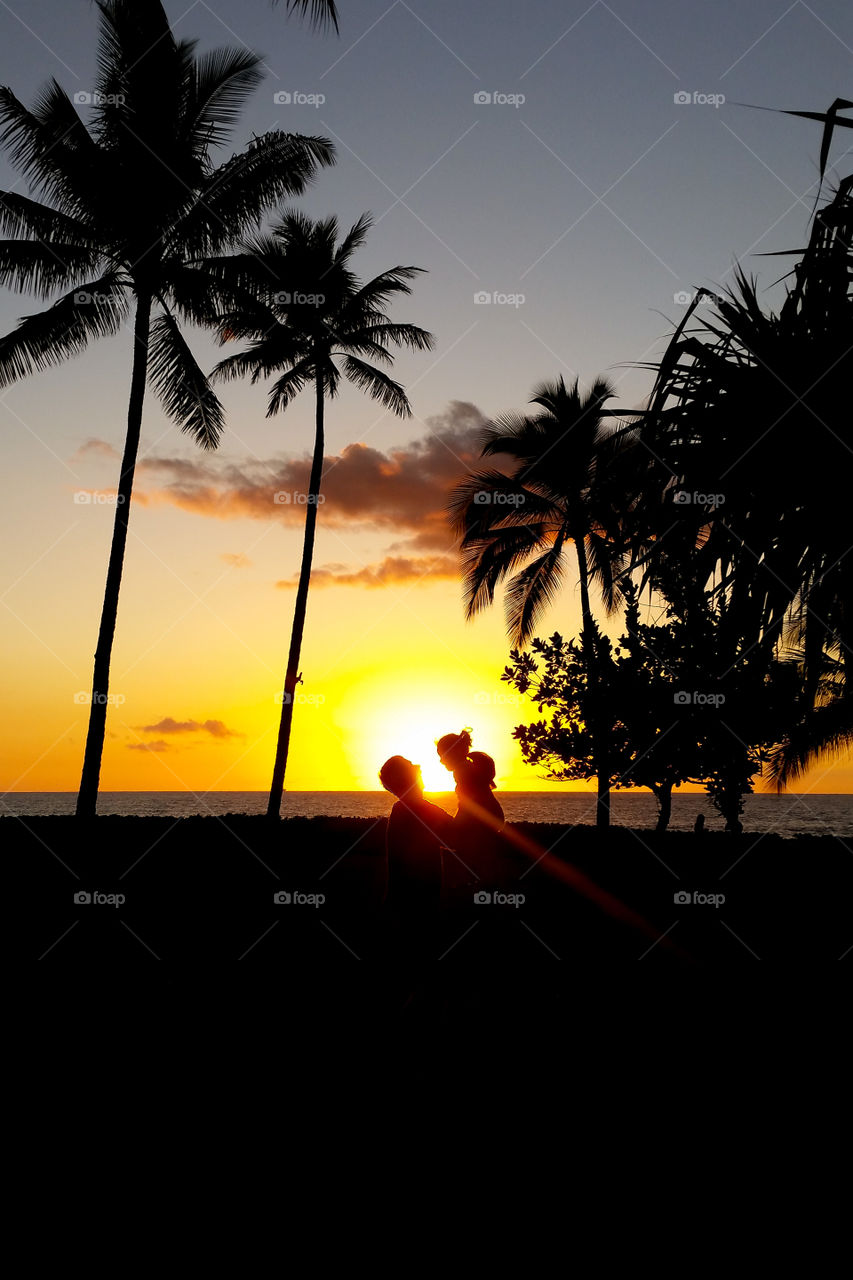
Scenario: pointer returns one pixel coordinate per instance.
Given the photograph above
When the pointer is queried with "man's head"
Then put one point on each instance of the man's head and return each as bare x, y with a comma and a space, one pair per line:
399, 776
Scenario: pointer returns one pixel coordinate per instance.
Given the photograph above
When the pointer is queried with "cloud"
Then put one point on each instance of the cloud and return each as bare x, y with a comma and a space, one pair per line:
236, 561
392, 571
403, 491
159, 745
94, 448
215, 728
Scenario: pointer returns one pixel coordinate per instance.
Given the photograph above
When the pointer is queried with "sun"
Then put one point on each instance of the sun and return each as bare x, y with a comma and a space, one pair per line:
412, 732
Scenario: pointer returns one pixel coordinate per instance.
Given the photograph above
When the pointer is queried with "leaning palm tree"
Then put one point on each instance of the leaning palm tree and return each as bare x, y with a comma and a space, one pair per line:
311, 321
128, 207
517, 525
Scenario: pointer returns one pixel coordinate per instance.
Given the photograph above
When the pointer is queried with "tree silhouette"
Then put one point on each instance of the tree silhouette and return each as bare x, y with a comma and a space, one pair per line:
128, 208
311, 321
558, 492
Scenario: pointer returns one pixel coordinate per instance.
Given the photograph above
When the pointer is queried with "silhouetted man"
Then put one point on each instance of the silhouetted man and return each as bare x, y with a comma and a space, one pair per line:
417, 830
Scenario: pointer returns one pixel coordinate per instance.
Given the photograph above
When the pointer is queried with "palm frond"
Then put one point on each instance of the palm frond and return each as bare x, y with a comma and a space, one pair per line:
42, 269
530, 593
378, 385
96, 310
322, 13
184, 391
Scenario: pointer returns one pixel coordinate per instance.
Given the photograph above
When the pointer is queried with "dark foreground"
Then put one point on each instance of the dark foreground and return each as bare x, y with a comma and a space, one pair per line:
131, 893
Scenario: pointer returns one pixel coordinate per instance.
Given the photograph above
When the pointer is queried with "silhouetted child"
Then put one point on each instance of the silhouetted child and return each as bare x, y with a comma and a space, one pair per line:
479, 817
473, 773
416, 833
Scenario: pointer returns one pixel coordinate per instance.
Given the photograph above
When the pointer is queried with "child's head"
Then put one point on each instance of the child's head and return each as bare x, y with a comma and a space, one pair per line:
453, 749
483, 767
399, 776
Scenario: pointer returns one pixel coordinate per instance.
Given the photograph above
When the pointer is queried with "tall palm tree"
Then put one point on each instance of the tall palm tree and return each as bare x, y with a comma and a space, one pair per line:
311, 321
559, 492
129, 205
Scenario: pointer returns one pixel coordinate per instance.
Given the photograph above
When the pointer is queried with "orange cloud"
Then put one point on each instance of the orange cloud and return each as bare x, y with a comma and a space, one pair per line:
392, 571
159, 745
236, 561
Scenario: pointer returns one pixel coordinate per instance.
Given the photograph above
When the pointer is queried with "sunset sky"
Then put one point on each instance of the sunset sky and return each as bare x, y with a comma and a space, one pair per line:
594, 205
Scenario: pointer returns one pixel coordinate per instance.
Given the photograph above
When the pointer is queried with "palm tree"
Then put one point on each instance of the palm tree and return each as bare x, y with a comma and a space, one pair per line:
323, 13
129, 206
312, 321
560, 491
751, 405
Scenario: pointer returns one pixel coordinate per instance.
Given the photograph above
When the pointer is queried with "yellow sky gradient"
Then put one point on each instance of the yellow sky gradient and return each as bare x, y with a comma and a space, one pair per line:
385, 670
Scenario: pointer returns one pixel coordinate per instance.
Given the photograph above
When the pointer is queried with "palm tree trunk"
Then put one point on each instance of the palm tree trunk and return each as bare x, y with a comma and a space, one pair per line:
598, 726
299, 611
663, 795
87, 797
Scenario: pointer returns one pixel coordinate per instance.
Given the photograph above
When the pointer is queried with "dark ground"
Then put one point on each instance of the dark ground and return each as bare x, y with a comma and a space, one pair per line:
200, 891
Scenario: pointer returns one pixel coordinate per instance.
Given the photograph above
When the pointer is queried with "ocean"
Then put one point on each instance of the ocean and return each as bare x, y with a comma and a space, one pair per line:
785, 815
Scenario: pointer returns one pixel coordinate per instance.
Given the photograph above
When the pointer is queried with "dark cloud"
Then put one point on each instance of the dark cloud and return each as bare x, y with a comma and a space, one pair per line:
215, 728
403, 491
